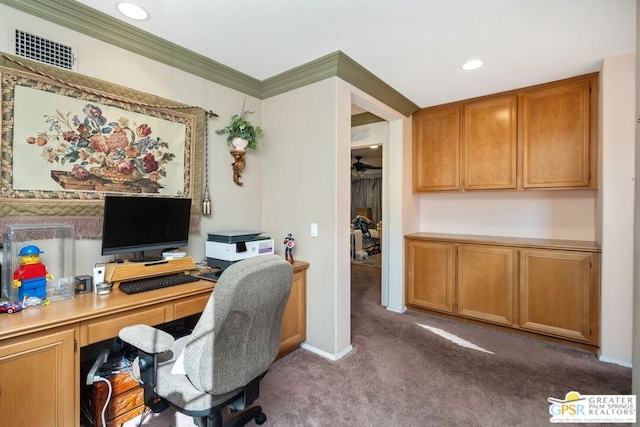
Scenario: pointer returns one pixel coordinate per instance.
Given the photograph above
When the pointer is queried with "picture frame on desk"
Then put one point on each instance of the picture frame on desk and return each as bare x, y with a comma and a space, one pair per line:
68, 139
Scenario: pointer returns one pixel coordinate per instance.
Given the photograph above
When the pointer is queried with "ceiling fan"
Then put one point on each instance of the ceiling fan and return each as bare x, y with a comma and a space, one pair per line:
358, 166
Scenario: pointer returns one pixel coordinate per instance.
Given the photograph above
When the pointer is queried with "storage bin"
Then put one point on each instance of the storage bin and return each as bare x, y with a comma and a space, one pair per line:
57, 244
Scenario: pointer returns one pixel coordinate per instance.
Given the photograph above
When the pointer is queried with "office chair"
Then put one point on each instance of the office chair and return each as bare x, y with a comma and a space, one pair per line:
220, 364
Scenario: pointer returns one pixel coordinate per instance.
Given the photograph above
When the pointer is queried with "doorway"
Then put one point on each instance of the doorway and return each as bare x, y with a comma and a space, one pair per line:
367, 147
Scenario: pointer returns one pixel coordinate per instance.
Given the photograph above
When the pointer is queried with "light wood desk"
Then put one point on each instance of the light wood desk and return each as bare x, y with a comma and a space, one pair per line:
39, 346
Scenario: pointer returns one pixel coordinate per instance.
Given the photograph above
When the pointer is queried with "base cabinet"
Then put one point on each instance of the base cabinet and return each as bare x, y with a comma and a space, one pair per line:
556, 293
485, 283
294, 319
38, 384
548, 287
430, 275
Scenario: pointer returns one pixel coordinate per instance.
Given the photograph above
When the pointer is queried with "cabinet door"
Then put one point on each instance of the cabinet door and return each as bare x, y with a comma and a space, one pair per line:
430, 275
556, 136
485, 285
436, 149
294, 319
38, 380
490, 143
555, 293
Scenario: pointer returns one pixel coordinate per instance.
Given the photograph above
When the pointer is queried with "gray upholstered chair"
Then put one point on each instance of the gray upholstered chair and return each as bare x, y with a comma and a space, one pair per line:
220, 364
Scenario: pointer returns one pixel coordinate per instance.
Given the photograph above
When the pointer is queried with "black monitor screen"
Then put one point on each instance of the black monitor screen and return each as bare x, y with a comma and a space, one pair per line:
138, 224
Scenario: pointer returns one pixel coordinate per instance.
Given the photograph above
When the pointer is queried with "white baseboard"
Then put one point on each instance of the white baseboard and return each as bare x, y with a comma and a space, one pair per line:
615, 361
402, 310
326, 355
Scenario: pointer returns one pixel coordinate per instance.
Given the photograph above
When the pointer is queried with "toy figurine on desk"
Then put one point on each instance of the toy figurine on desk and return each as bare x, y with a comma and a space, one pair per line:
31, 276
289, 243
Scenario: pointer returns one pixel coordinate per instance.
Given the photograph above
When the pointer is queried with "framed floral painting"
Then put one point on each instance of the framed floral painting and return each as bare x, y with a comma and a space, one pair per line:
66, 141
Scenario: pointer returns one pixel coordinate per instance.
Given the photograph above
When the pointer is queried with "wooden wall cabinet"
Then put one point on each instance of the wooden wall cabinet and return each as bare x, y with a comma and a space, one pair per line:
542, 136
490, 143
436, 149
556, 124
544, 286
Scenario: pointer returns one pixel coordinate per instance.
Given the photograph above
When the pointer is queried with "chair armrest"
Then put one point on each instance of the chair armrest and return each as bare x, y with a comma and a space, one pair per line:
147, 338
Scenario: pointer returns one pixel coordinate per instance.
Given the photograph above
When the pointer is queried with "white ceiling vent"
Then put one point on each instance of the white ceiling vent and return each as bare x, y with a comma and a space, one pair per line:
40, 49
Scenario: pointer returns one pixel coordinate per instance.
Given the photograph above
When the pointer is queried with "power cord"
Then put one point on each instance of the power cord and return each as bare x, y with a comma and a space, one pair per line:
104, 409
125, 362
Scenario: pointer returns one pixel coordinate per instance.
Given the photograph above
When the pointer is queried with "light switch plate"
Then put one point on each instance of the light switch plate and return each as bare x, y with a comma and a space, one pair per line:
314, 229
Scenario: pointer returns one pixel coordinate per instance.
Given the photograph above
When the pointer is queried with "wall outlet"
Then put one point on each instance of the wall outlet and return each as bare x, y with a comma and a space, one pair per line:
98, 275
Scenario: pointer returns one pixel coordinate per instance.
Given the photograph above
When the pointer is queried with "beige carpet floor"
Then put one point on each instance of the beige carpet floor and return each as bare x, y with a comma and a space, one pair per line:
401, 373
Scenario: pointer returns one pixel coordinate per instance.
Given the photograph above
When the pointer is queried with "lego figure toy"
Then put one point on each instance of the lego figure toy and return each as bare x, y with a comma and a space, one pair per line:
31, 276
289, 243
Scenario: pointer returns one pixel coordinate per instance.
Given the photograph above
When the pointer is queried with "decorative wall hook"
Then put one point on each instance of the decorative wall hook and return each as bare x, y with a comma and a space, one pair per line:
238, 165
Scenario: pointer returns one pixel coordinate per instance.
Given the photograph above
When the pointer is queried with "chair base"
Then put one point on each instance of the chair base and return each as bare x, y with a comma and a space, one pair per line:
240, 419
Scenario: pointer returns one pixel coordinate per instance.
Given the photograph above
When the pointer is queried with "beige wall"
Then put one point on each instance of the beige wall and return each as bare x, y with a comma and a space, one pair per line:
233, 206
300, 188
308, 180
616, 201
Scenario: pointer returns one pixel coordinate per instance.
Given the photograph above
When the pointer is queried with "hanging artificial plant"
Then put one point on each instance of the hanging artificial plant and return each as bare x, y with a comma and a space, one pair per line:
240, 127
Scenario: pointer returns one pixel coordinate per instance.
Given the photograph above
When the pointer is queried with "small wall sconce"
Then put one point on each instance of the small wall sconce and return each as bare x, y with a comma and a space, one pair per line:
238, 165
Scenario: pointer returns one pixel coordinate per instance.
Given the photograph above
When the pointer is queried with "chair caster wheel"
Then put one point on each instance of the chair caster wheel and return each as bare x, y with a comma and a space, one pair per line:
260, 418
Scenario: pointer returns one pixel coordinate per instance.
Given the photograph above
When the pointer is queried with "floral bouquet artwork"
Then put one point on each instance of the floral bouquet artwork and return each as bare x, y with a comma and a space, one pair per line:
105, 154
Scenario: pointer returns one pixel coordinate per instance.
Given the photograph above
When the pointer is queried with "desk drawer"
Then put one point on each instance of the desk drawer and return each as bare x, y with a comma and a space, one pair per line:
188, 306
92, 331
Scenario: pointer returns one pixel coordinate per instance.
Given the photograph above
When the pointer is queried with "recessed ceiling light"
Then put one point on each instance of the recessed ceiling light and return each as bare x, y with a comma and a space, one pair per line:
132, 11
373, 147
472, 64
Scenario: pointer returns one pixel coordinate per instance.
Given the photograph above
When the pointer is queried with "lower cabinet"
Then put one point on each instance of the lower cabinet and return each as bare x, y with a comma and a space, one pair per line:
430, 275
548, 287
38, 383
294, 319
485, 283
556, 293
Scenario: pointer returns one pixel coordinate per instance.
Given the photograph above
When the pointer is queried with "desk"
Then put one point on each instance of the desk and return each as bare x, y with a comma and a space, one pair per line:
39, 347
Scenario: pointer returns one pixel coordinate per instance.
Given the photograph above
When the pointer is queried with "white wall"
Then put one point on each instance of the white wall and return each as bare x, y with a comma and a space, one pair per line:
233, 206
615, 215
539, 214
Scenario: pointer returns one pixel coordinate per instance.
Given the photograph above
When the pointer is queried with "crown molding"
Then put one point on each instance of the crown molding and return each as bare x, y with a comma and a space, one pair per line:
83, 19
354, 73
339, 65
303, 75
78, 17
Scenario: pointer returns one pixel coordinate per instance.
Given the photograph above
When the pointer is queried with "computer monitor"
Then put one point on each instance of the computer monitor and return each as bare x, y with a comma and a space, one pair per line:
138, 224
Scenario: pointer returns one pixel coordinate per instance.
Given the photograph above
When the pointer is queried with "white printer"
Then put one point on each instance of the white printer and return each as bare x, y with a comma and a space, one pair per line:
223, 248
